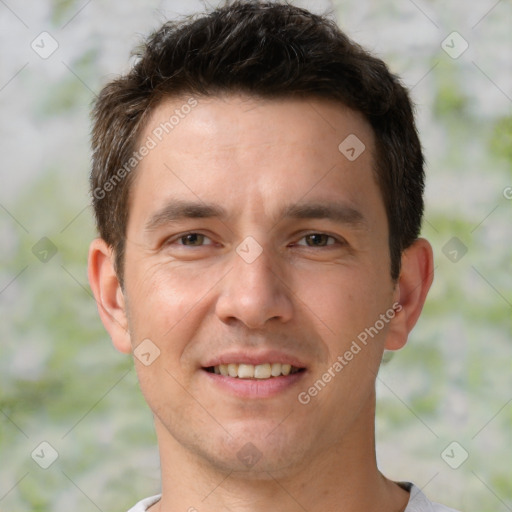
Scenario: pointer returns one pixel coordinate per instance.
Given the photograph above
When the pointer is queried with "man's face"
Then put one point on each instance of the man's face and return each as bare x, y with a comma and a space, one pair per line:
292, 271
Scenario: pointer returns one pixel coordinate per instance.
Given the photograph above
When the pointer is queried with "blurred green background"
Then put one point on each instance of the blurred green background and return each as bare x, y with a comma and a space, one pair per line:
62, 382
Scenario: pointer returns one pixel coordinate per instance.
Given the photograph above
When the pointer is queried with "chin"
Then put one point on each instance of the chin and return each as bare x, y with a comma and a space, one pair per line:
260, 453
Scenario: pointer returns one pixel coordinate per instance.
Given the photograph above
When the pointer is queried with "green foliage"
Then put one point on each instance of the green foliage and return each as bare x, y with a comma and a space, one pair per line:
449, 101
501, 143
62, 10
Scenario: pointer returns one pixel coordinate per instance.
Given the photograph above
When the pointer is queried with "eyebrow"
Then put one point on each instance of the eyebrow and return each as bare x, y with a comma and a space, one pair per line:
178, 210
335, 211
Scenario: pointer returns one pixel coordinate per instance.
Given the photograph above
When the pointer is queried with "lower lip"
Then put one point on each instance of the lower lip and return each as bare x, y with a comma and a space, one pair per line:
255, 388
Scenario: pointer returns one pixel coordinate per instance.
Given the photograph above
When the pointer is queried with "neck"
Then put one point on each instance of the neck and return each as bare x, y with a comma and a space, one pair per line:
343, 477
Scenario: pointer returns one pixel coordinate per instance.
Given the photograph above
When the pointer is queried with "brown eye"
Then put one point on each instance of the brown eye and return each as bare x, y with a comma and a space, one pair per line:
318, 240
192, 240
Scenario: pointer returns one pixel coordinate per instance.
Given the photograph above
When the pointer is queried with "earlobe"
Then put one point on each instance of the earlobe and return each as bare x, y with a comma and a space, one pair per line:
416, 275
108, 294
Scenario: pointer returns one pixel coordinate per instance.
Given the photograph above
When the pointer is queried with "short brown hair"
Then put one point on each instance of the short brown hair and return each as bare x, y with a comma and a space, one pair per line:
267, 50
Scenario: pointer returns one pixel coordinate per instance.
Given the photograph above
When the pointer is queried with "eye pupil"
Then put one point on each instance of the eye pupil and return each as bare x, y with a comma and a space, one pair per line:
317, 239
193, 238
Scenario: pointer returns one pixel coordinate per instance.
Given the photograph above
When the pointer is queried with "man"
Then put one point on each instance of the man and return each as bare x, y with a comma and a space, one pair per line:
257, 182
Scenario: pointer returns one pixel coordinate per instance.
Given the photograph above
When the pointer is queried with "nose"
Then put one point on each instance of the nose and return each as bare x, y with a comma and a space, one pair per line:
255, 292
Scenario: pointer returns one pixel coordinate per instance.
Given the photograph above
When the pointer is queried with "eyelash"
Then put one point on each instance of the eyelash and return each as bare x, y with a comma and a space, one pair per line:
336, 240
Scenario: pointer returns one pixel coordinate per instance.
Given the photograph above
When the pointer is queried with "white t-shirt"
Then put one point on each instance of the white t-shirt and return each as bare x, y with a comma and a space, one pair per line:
418, 502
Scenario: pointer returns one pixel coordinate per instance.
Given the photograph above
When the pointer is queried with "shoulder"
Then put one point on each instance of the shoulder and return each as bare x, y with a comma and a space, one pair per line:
143, 505
418, 502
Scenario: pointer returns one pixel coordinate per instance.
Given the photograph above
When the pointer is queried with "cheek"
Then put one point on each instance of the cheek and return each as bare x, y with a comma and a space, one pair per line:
163, 306
168, 304
343, 302
160, 298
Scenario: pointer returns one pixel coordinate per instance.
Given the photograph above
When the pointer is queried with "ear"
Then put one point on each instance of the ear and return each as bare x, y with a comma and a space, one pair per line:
108, 294
416, 276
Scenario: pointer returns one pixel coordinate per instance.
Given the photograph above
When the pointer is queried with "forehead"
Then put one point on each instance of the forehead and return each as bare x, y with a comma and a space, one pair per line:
232, 147
229, 119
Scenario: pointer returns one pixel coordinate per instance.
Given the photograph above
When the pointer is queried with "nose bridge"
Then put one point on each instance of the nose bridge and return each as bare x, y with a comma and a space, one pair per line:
254, 291
254, 265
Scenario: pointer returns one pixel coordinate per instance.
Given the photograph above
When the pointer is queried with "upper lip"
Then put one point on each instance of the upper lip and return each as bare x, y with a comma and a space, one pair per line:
254, 358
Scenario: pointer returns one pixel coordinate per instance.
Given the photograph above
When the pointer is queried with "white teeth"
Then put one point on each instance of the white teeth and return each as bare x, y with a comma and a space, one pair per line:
275, 369
246, 371
233, 370
261, 371
250, 371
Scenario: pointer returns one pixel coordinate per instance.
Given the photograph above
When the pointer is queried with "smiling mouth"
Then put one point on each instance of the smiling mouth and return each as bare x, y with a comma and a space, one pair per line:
256, 372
